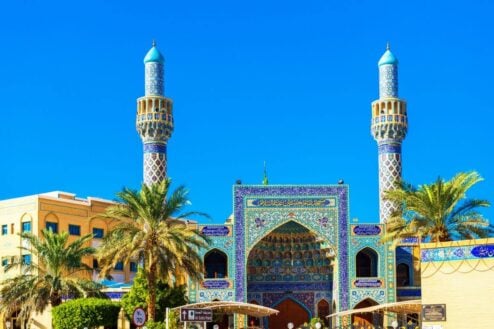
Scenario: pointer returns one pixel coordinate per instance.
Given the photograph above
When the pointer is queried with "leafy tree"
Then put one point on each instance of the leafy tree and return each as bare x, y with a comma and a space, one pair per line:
166, 296
439, 211
55, 273
86, 313
154, 231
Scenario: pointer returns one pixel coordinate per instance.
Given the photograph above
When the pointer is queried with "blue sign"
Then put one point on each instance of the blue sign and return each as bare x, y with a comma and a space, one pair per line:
216, 284
368, 283
215, 230
367, 230
486, 251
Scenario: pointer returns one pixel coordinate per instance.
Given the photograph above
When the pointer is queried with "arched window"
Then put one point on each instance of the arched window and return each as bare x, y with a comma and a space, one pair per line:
402, 275
215, 263
367, 261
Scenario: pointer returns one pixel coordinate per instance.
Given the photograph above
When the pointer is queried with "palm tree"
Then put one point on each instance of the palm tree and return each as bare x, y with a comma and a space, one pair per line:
439, 211
54, 275
154, 231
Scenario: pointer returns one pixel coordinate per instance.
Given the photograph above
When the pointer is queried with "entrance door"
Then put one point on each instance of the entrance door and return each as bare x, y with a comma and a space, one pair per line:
290, 311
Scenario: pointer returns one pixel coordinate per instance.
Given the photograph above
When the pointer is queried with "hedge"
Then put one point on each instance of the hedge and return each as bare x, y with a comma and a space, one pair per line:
86, 313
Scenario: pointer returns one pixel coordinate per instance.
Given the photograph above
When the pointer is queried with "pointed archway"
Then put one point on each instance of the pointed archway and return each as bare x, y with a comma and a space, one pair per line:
290, 311
366, 320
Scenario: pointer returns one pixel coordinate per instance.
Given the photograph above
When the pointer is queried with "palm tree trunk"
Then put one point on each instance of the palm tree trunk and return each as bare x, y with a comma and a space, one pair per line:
151, 292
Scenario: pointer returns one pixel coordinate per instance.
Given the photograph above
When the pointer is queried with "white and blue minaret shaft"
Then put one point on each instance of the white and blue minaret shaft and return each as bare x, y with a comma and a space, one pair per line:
154, 118
388, 127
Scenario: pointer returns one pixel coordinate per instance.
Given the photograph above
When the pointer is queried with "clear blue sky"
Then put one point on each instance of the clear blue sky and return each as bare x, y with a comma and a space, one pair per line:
286, 82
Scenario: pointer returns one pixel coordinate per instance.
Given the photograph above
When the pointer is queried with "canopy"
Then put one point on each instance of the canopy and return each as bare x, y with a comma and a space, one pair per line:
404, 307
233, 307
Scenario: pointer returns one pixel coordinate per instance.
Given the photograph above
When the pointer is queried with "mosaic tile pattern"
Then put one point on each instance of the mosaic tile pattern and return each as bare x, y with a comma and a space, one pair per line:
388, 81
379, 293
251, 224
154, 168
357, 296
457, 253
154, 79
389, 176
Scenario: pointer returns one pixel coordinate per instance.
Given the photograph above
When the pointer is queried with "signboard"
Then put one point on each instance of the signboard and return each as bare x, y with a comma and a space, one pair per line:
366, 229
196, 315
368, 283
215, 284
434, 312
215, 230
139, 317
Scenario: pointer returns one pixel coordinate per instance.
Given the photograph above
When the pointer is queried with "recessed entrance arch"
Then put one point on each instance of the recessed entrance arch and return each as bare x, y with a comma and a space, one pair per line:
270, 265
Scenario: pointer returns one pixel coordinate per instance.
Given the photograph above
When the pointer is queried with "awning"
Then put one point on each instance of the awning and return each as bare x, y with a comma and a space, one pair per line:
233, 307
404, 307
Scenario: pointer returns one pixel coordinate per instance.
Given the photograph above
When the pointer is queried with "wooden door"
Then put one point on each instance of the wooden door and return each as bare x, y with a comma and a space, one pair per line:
290, 311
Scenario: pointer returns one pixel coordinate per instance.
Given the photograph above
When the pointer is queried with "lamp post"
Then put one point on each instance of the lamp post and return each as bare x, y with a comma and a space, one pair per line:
394, 324
318, 325
290, 325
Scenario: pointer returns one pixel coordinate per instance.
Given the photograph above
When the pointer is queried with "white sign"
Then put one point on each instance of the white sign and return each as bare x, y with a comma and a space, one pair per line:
139, 317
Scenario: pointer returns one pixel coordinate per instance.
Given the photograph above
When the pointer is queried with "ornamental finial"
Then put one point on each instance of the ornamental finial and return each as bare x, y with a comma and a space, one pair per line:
265, 180
387, 46
154, 43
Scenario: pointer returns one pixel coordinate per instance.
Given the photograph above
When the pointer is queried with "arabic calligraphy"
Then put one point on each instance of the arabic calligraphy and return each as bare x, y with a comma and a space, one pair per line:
293, 203
485, 251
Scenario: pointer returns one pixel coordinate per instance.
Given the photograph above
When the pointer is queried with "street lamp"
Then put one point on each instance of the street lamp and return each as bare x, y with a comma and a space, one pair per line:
8, 324
394, 324
290, 325
318, 325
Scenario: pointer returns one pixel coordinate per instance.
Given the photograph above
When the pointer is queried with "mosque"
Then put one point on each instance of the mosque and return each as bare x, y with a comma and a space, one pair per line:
293, 248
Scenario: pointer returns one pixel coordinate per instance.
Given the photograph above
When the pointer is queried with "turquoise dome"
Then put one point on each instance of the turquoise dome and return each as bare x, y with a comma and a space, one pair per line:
388, 58
154, 55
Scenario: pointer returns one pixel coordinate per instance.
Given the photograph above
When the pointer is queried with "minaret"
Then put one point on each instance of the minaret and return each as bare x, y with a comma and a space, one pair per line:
154, 120
388, 127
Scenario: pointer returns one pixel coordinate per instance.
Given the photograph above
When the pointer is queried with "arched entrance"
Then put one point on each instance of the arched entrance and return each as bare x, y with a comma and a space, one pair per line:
287, 270
290, 311
366, 319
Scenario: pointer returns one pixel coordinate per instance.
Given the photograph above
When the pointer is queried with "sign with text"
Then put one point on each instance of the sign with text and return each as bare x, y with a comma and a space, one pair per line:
434, 312
196, 315
215, 284
215, 230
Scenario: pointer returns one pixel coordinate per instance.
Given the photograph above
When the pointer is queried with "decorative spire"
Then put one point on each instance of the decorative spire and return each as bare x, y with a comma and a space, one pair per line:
387, 46
265, 180
154, 43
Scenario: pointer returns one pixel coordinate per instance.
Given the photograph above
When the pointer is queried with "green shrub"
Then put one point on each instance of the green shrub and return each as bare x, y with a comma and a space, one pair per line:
155, 325
86, 313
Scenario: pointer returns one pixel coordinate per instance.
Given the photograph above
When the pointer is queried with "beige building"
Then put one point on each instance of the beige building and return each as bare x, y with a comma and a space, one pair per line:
61, 212
458, 284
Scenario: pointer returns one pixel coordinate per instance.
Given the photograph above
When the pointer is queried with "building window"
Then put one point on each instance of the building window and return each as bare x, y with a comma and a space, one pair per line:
133, 266
5, 262
119, 266
367, 260
51, 226
74, 229
98, 233
215, 263
4, 229
402, 275
26, 259
26, 227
